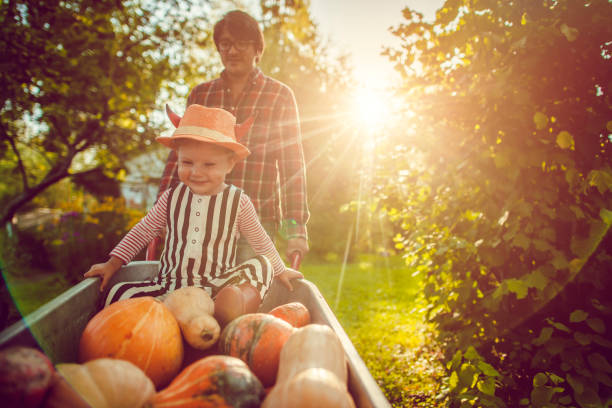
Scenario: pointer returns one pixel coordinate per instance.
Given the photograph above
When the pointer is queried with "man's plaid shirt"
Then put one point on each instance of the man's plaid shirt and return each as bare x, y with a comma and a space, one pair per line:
273, 175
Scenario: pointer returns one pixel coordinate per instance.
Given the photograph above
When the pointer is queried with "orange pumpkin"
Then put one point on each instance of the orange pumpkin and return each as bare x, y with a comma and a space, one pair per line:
213, 381
294, 313
140, 330
256, 339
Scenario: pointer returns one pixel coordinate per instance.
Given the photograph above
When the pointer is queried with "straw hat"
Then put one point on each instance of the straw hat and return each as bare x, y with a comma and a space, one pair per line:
209, 125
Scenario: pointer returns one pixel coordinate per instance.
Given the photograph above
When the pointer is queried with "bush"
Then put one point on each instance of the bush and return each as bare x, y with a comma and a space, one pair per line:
77, 239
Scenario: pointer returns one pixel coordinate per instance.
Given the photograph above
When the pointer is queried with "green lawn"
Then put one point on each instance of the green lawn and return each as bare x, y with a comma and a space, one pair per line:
377, 306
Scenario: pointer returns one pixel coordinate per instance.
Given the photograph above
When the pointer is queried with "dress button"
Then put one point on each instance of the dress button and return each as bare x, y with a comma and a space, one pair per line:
196, 229
193, 241
198, 213
199, 200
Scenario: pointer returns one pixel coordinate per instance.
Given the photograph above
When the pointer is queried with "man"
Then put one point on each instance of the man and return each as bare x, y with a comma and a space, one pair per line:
273, 175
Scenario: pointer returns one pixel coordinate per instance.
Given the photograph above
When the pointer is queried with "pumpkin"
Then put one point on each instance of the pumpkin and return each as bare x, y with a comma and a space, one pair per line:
236, 300
256, 339
101, 383
140, 330
213, 381
313, 387
25, 376
294, 313
314, 345
193, 309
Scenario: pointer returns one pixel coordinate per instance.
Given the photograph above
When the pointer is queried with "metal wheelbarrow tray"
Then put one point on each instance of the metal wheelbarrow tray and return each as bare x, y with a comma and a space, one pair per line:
56, 326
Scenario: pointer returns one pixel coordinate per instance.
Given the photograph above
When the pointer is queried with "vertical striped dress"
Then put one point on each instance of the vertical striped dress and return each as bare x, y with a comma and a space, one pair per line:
200, 244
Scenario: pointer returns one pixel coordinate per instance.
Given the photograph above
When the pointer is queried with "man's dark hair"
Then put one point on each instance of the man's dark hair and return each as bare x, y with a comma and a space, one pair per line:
241, 26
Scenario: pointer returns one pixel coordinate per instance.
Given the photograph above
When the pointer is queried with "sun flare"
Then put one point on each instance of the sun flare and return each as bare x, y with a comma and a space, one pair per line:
370, 108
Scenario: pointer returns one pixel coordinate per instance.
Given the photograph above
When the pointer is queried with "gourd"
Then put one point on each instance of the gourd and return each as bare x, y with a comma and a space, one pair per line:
294, 313
140, 330
25, 375
313, 387
213, 381
193, 309
256, 339
102, 383
314, 345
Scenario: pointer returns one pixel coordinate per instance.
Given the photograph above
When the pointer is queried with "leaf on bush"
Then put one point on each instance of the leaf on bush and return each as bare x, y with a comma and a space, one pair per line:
588, 399
487, 369
518, 287
578, 315
606, 215
468, 375
558, 326
537, 280
540, 379
471, 354
576, 382
545, 335
521, 241
565, 140
599, 362
487, 386
541, 396
596, 324
453, 381
582, 338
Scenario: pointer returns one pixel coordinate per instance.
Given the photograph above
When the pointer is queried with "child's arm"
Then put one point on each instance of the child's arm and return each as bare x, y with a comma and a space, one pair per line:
133, 242
261, 243
105, 270
287, 276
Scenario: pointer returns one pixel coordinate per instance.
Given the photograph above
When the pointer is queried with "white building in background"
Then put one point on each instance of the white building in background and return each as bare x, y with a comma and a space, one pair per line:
143, 174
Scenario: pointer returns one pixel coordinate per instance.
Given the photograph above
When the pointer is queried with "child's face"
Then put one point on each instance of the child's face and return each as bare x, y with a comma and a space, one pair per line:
203, 166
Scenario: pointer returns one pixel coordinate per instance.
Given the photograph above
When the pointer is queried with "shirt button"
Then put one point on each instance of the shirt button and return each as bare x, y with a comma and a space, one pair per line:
199, 200
198, 213
196, 229
193, 241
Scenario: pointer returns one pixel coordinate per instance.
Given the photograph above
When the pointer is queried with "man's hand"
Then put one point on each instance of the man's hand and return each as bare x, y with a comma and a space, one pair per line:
105, 270
297, 245
287, 276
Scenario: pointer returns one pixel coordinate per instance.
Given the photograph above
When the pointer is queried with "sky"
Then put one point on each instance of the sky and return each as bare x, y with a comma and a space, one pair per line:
361, 27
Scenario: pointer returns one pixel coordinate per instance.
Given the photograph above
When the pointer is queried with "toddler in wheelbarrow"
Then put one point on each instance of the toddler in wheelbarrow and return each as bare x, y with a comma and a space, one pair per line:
202, 217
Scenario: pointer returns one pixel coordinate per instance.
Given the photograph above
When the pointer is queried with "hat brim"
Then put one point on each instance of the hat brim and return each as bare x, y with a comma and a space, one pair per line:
240, 150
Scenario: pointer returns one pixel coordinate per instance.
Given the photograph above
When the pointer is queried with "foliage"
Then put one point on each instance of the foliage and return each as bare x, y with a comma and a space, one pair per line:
79, 238
79, 82
501, 194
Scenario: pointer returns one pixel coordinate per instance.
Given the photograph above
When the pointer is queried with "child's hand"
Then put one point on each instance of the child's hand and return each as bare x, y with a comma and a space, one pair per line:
288, 275
105, 270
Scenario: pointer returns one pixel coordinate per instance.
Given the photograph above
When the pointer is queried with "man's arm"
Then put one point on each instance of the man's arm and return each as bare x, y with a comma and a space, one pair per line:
292, 170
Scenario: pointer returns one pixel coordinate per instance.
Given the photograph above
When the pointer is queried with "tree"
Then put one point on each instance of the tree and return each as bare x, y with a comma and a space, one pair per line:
79, 83
503, 193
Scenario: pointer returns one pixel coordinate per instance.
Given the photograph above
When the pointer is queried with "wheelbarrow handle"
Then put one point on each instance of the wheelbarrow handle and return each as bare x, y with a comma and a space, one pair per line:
296, 260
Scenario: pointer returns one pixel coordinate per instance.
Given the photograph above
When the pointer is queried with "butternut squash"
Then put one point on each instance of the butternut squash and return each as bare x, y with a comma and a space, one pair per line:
103, 383
193, 309
313, 387
312, 346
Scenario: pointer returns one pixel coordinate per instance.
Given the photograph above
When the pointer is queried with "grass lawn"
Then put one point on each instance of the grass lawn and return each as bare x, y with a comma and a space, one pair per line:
27, 293
378, 308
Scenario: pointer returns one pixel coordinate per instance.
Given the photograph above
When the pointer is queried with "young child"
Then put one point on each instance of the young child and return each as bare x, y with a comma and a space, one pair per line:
203, 218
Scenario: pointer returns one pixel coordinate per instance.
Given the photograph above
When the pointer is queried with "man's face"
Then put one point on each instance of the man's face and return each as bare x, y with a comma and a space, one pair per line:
239, 57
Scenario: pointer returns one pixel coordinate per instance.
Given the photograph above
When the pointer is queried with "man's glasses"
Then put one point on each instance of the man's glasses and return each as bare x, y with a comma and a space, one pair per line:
240, 45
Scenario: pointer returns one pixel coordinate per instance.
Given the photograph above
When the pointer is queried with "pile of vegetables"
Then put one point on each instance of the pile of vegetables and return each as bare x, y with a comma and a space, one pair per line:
131, 354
